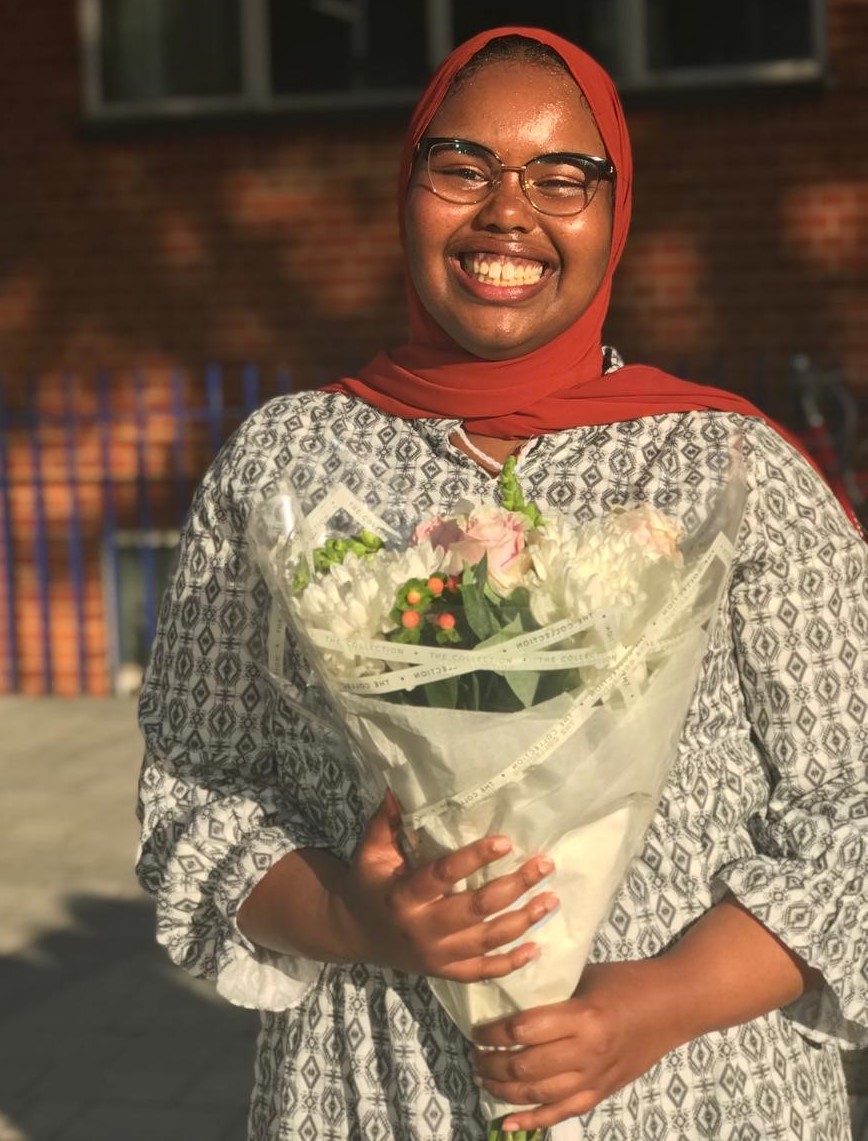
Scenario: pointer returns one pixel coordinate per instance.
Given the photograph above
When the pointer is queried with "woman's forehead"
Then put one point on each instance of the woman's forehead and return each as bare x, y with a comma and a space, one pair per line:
525, 102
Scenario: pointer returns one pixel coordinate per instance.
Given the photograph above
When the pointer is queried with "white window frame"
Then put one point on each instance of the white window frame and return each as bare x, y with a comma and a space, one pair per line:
629, 18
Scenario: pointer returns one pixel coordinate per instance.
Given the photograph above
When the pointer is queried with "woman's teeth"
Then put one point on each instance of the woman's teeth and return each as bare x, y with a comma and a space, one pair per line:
493, 270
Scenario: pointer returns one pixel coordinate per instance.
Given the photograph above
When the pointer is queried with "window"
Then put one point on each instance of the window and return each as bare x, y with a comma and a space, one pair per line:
195, 56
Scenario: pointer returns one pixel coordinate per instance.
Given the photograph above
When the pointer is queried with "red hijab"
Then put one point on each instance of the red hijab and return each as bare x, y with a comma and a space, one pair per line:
559, 385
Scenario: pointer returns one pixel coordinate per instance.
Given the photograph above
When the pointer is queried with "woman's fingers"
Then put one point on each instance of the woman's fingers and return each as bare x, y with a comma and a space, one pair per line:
454, 930
493, 966
441, 876
506, 889
426, 920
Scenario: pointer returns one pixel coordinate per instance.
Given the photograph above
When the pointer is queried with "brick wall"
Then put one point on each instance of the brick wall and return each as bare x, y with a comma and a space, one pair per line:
172, 244
180, 245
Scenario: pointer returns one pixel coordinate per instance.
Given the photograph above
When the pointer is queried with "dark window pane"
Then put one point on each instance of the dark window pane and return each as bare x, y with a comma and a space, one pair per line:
202, 44
153, 49
589, 24
683, 33
314, 49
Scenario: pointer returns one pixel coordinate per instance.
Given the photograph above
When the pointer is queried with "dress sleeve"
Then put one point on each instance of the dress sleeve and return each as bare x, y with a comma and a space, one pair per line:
801, 634
231, 781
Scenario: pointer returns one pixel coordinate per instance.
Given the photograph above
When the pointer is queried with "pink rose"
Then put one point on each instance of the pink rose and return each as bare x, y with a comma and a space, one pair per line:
439, 532
491, 531
657, 533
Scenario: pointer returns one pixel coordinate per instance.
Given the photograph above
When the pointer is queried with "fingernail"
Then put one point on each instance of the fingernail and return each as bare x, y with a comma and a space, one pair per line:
500, 845
547, 918
477, 1080
509, 1125
546, 866
545, 905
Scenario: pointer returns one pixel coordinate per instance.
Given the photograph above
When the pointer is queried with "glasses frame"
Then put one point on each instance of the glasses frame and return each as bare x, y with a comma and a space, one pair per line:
605, 172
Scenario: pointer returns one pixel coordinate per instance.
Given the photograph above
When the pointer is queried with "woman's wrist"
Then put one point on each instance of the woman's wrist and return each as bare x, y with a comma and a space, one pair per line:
298, 907
728, 969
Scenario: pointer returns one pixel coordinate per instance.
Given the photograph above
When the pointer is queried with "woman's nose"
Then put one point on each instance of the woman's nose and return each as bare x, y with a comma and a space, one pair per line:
507, 207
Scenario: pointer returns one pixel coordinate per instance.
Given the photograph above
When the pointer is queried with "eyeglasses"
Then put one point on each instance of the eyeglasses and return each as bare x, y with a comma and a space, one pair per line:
562, 183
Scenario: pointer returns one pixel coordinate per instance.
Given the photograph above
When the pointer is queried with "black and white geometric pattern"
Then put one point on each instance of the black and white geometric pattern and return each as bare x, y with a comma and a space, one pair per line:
767, 797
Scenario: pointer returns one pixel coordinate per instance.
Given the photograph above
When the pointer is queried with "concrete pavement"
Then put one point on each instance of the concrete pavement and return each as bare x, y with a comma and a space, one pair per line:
101, 1038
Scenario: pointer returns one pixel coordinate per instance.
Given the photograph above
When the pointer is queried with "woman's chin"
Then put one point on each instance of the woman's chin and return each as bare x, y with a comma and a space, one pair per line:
496, 345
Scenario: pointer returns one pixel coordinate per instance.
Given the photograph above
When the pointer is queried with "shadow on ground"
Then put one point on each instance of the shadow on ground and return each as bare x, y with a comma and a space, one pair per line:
102, 1039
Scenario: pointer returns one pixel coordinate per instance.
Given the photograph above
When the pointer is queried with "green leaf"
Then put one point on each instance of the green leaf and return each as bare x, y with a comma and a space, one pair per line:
553, 683
442, 694
477, 610
523, 684
469, 695
513, 497
506, 633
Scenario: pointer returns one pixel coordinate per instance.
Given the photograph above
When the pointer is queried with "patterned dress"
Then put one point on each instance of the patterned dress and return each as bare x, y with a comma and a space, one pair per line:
766, 798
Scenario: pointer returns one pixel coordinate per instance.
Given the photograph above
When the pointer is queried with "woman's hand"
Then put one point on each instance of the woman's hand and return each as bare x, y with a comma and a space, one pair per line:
563, 1059
416, 920
725, 970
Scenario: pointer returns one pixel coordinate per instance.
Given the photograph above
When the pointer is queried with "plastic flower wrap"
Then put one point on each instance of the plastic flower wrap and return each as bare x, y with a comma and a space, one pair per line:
505, 669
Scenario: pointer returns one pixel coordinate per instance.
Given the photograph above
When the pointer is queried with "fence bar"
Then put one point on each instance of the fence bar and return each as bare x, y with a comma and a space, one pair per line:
76, 532
40, 541
251, 388
147, 556
181, 481
214, 412
111, 566
13, 670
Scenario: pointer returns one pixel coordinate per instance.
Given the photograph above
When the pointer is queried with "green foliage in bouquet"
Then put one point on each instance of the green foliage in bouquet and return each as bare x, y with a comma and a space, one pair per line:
334, 551
462, 610
467, 613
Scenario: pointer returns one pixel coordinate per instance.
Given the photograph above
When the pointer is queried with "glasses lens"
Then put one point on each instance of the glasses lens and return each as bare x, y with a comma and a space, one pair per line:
562, 186
460, 172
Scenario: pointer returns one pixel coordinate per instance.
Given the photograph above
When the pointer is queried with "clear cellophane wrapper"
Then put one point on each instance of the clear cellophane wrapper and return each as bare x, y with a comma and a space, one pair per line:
577, 777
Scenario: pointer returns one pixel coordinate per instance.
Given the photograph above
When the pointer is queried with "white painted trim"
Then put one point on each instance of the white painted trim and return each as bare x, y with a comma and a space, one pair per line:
438, 28
90, 34
255, 54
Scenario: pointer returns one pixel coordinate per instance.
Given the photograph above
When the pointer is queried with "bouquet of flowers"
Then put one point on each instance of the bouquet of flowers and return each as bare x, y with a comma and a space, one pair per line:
504, 669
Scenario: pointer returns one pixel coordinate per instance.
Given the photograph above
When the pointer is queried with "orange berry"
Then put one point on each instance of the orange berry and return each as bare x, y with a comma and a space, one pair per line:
446, 621
436, 585
411, 619
414, 597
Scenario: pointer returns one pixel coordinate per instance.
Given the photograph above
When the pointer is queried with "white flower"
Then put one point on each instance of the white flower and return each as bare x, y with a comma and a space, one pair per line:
614, 564
354, 599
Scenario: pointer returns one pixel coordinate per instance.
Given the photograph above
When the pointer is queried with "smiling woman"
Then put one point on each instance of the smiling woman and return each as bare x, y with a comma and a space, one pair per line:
730, 967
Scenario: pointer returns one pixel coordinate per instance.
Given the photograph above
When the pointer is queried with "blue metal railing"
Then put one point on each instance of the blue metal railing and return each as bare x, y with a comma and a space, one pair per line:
79, 489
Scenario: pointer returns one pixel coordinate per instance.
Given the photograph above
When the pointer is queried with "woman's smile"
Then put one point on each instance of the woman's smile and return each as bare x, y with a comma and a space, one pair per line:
502, 272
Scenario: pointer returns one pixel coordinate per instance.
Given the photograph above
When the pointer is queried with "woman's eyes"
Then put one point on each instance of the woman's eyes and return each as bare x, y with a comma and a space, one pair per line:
556, 183
467, 172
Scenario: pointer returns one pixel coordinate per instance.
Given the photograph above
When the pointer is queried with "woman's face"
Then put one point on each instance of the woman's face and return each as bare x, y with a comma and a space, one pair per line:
520, 111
